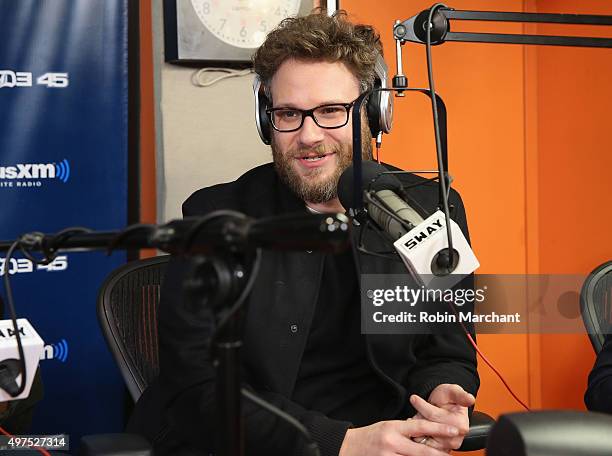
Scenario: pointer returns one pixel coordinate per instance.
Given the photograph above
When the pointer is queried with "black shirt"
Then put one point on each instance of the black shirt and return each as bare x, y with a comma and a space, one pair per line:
335, 376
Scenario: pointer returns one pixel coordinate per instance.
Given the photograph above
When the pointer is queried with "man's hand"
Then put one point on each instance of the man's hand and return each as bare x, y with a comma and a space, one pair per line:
392, 438
447, 404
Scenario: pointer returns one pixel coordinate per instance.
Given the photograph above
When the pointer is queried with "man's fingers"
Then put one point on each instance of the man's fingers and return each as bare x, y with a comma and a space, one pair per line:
405, 446
425, 428
434, 442
427, 410
440, 415
459, 396
410, 448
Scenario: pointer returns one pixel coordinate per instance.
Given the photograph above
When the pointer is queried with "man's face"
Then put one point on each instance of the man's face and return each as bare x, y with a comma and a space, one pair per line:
311, 159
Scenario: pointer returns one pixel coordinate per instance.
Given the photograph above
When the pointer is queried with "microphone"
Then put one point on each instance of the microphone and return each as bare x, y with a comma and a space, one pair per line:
551, 432
419, 239
399, 217
10, 375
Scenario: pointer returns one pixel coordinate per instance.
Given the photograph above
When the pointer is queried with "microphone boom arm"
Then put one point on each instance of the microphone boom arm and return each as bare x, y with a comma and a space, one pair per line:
413, 29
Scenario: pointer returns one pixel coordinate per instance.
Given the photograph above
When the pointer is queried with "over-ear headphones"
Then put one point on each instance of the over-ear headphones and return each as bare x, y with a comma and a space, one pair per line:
379, 106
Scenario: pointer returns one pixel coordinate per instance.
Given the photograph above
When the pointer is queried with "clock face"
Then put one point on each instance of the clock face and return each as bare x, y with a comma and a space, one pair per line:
243, 23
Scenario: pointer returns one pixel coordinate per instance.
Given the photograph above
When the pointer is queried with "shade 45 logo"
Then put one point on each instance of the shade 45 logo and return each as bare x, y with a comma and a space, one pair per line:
33, 174
23, 265
10, 79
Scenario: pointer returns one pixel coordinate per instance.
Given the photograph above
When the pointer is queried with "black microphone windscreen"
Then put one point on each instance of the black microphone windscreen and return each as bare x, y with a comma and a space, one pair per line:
372, 178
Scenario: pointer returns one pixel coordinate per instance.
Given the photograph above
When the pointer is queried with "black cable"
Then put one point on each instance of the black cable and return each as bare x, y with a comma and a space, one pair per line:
63, 235
313, 448
25, 243
50, 248
34, 239
441, 171
387, 256
11, 306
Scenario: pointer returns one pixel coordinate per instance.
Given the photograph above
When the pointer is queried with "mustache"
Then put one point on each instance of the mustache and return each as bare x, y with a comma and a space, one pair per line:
318, 151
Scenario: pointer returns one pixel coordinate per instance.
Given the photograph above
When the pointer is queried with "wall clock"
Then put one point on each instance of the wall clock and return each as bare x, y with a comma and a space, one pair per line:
222, 32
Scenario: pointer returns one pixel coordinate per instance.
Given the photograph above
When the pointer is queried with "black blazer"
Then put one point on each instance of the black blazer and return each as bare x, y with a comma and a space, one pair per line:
280, 310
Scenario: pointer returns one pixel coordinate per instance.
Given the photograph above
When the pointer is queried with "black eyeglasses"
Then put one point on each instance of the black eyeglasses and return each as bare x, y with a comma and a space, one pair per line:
333, 115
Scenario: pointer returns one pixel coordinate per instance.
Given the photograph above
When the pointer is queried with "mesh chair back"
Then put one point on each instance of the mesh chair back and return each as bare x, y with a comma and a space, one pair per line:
596, 304
127, 312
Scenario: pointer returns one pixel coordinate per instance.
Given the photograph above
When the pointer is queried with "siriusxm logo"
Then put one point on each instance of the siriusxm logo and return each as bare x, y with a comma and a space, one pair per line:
26, 171
56, 351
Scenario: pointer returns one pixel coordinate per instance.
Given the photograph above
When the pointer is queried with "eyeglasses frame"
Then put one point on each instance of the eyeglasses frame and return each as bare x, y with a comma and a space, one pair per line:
310, 113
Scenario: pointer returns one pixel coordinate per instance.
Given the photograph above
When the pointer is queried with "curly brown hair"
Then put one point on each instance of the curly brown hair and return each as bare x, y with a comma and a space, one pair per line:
320, 37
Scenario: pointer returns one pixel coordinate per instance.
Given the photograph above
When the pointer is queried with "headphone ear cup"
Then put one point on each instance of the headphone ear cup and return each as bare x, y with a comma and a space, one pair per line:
380, 110
373, 110
262, 121
380, 103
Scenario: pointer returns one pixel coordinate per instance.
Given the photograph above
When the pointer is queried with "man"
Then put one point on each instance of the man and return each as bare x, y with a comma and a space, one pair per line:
303, 351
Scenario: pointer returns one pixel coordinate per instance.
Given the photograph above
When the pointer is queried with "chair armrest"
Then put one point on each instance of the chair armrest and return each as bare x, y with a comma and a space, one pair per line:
476, 438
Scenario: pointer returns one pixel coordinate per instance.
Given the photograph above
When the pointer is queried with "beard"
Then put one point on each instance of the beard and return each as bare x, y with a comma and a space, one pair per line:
312, 186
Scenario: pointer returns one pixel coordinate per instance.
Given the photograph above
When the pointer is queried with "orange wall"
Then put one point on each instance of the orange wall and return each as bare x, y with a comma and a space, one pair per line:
530, 152
574, 148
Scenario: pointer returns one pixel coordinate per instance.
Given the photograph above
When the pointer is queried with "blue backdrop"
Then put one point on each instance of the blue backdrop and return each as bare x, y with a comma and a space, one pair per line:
63, 162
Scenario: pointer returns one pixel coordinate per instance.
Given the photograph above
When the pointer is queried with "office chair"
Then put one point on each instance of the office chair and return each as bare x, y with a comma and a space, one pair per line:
127, 311
596, 304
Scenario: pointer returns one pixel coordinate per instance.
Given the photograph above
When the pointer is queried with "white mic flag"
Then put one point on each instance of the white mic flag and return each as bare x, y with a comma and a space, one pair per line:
421, 247
33, 347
